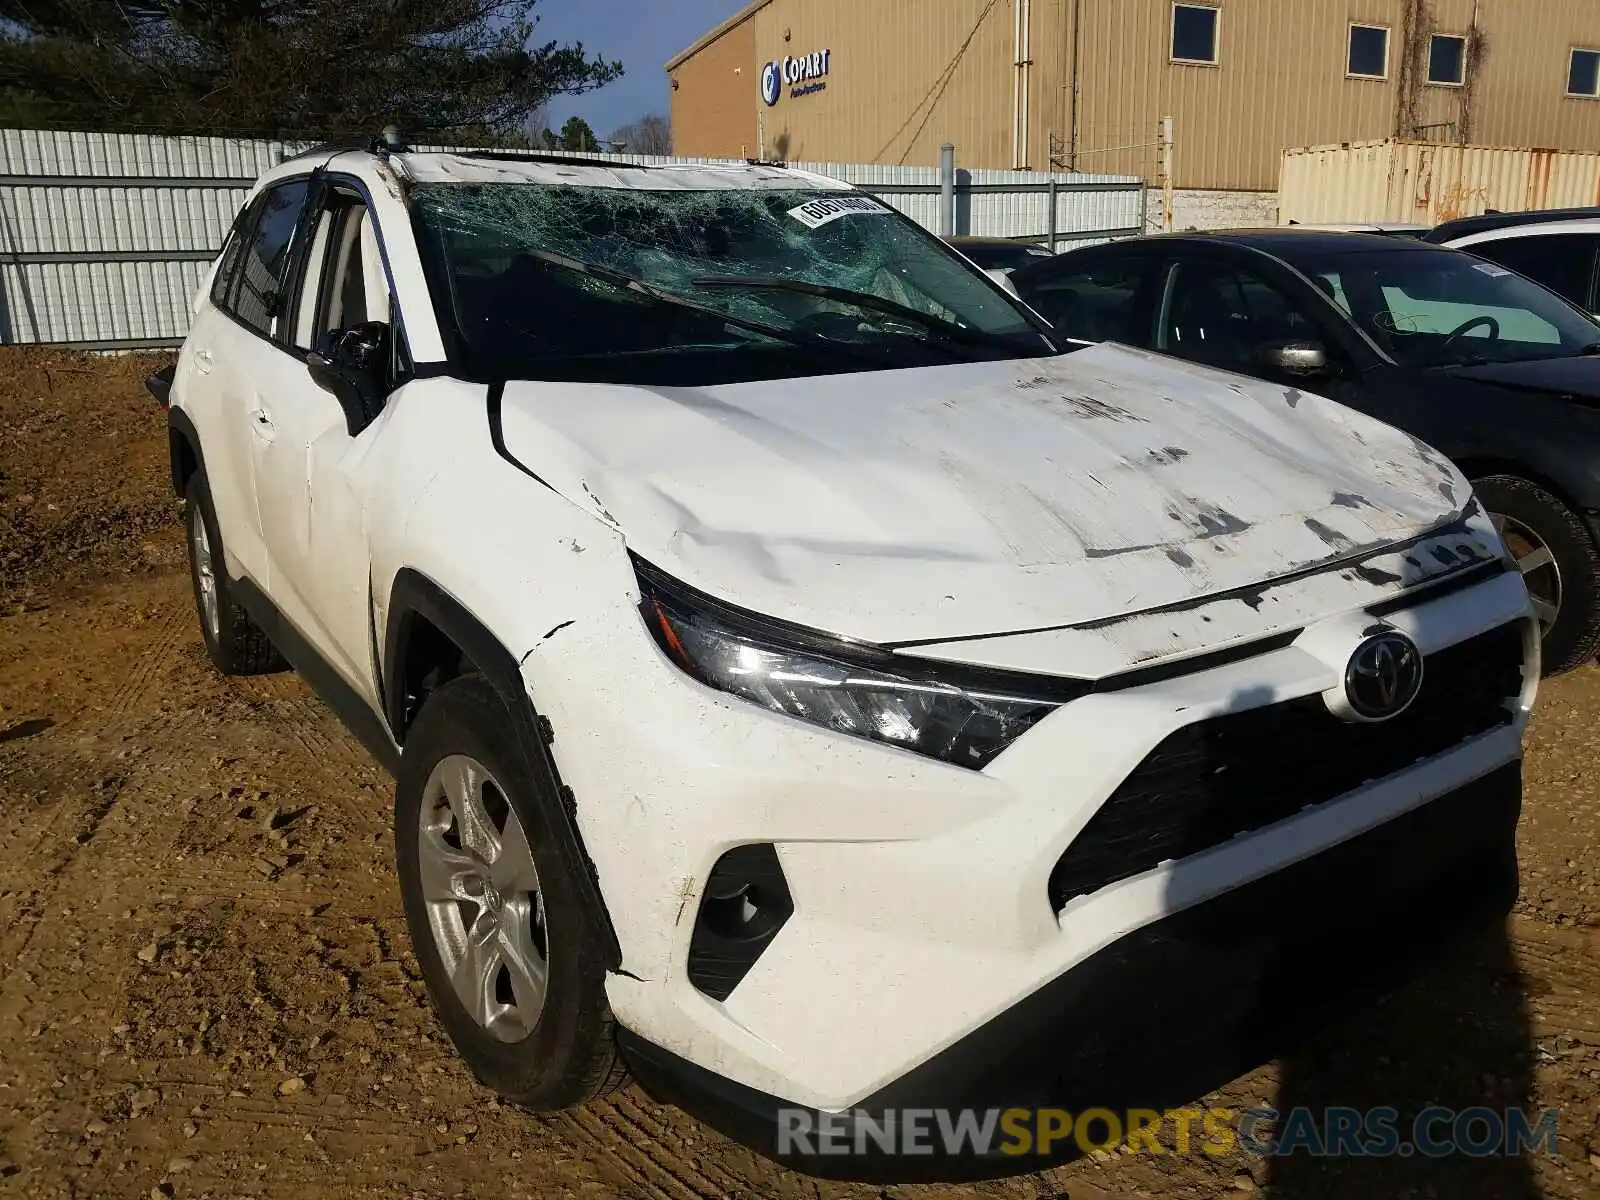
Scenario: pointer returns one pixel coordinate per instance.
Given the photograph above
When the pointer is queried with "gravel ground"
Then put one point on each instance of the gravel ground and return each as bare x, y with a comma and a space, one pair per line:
206, 988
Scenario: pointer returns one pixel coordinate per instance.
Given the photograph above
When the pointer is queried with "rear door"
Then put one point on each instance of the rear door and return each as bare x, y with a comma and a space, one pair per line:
229, 348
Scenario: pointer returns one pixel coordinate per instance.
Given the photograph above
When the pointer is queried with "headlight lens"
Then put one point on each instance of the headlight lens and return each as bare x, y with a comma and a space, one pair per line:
919, 706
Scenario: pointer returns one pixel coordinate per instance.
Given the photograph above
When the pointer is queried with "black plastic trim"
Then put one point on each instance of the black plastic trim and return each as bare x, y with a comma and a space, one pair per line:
356, 714
722, 950
180, 426
1438, 588
497, 437
159, 384
1227, 983
414, 595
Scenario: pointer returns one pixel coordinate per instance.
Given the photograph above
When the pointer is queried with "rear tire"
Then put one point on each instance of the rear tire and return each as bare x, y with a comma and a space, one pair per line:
236, 644
545, 1037
1559, 561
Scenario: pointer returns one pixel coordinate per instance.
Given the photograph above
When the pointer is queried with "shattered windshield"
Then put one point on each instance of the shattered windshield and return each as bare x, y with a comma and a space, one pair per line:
683, 286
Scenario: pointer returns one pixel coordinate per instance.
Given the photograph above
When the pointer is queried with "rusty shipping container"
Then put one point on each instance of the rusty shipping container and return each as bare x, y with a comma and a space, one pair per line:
1424, 184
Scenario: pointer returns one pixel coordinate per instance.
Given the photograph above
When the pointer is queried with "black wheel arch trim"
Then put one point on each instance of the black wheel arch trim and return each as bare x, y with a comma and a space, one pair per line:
415, 595
180, 429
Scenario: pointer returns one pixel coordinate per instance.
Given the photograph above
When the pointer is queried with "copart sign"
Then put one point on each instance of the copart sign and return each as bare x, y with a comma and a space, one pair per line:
802, 75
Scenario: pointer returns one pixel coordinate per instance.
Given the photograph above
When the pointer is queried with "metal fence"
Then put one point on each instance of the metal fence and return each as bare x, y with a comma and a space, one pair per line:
104, 237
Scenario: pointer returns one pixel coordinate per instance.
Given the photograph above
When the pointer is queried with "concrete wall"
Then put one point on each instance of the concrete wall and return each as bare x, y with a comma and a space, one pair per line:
1199, 208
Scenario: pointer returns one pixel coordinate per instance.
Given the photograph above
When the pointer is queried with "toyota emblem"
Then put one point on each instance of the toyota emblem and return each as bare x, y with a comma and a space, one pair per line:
1383, 677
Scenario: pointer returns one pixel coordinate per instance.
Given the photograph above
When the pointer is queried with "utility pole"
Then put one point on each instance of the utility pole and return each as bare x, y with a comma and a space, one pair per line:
1166, 173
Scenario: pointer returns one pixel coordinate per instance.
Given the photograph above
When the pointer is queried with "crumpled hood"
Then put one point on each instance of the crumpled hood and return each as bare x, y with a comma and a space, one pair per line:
947, 502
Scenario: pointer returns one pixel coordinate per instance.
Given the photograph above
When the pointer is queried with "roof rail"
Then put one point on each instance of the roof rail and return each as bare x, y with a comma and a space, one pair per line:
390, 141
551, 156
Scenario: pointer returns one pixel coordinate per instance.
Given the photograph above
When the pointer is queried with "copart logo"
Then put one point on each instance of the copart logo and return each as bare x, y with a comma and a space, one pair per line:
771, 83
1383, 676
804, 73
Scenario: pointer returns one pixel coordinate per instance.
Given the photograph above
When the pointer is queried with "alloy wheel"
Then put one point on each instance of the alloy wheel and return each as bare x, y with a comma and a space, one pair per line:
1538, 565
485, 910
205, 575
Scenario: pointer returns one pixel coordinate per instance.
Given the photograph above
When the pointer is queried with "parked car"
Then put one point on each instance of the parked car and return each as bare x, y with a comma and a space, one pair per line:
811, 689
1000, 254
1496, 372
1389, 229
1560, 250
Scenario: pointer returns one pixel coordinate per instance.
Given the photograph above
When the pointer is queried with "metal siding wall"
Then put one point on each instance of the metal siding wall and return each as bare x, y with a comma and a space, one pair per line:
1280, 82
1521, 98
714, 96
176, 223
904, 79
1426, 184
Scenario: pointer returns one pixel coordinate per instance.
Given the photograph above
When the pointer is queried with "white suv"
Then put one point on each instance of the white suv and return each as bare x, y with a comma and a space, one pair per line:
809, 688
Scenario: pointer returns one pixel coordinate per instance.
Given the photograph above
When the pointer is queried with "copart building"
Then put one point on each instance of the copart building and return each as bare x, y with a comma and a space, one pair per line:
1085, 84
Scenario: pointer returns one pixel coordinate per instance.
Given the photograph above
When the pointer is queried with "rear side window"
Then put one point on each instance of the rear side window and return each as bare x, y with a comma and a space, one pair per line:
1562, 262
1095, 303
228, 269
261, 270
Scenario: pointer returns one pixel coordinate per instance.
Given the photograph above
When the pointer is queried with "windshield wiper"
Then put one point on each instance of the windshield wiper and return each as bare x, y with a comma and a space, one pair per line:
938, 326
626, 282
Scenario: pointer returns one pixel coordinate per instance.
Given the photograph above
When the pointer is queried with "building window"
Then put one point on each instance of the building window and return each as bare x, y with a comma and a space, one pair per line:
1194, 33
1447, 60
1369, 52
1583, 74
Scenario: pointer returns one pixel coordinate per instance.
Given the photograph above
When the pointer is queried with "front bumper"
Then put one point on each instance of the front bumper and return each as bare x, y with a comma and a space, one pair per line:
1170, 1011
923, 901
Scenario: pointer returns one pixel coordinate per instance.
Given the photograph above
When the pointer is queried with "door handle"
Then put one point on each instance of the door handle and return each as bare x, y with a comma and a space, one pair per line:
203, 361
261, 424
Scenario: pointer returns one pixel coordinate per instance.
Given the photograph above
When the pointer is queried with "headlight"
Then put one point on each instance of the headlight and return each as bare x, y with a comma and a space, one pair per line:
961, 715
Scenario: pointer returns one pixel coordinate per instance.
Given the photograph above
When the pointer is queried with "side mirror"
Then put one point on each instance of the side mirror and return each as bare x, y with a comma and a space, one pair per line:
350, 364
1294, 358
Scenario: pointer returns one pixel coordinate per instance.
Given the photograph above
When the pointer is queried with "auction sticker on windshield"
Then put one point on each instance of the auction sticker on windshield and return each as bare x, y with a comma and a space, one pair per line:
816, 213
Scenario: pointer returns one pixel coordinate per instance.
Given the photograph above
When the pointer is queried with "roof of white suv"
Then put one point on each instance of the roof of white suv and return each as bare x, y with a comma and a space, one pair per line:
558, 170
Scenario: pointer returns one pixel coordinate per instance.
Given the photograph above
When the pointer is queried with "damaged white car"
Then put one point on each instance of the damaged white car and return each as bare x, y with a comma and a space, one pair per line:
811, 690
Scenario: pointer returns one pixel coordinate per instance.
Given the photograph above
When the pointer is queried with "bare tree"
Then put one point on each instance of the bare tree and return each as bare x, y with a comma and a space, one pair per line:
650, 134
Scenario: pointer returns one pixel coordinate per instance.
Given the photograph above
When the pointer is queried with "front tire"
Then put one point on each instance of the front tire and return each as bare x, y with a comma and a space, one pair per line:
511, 957
1559, 563
236, 644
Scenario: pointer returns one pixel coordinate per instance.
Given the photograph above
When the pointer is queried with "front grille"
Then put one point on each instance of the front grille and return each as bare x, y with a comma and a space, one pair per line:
1211, 781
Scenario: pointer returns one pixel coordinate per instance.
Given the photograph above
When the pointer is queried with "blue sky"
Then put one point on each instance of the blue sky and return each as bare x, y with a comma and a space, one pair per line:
643, 34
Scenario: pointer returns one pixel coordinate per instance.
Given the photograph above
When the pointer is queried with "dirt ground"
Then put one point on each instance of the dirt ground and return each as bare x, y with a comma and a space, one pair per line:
206, 988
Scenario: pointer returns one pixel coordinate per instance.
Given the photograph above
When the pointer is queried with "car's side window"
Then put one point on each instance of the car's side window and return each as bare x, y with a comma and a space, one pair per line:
1096, 302
228, 269
257, 298
1562, 262
345, 282
1221, 315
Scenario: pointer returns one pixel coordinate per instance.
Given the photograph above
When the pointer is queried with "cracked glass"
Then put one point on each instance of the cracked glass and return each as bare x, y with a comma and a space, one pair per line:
636, 285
